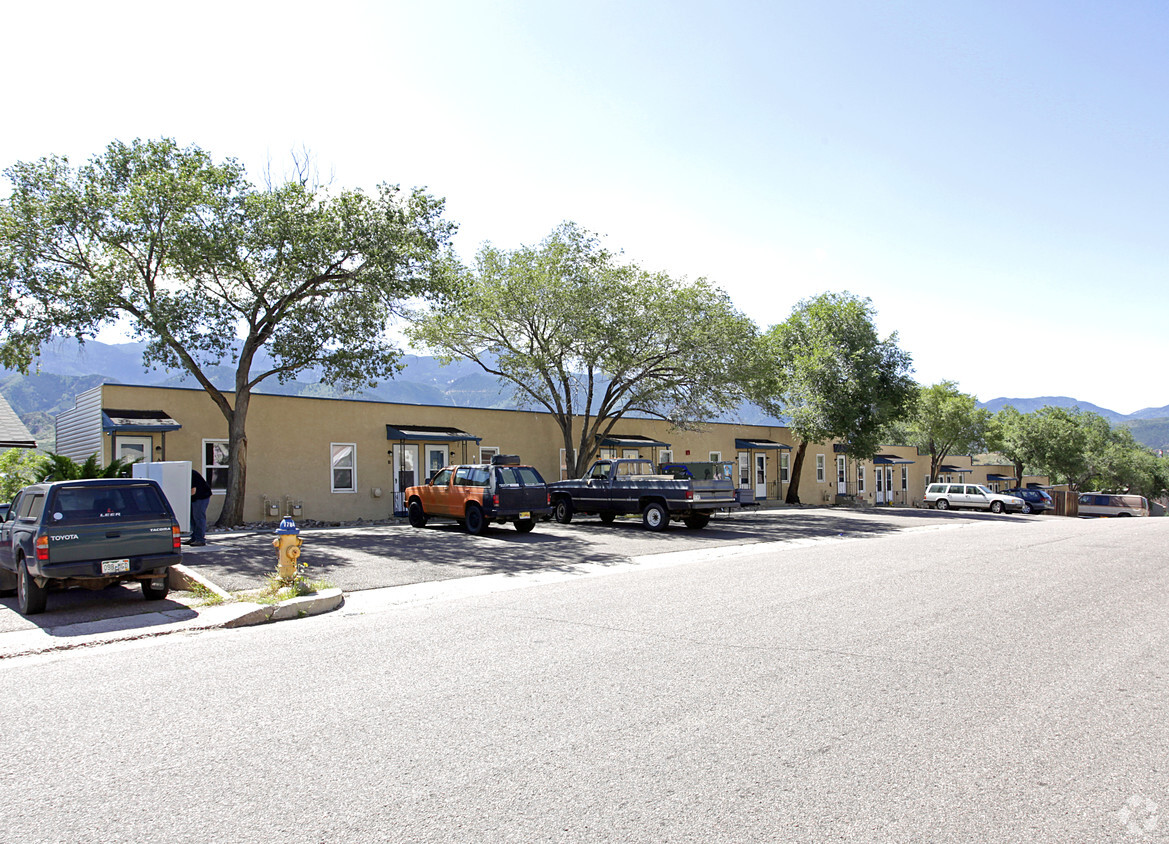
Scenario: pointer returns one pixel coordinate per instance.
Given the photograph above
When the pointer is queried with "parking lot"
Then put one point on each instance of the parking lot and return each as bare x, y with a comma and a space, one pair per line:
373, 557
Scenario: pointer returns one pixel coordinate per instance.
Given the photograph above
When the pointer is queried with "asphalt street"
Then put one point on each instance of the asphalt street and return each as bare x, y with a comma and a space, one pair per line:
997, 680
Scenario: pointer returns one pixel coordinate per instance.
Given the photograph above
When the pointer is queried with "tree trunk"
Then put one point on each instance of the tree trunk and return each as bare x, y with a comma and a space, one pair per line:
793, 484
237, 471
1019, 474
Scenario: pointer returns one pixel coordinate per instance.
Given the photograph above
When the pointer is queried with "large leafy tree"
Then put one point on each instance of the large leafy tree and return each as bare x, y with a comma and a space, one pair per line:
834, 377
205, 267
592, 339
1013, 435
946, 421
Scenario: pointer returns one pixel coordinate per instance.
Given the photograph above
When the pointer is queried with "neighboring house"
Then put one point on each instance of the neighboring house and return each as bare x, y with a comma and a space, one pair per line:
13, 433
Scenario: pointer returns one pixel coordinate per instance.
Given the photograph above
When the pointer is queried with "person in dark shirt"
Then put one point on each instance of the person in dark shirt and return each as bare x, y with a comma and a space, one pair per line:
200, 495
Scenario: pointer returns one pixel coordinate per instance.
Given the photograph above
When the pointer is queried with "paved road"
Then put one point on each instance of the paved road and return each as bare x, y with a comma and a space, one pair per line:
1002, 681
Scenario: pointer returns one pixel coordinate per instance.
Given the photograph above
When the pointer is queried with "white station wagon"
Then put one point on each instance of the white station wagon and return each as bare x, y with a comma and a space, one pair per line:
971, 496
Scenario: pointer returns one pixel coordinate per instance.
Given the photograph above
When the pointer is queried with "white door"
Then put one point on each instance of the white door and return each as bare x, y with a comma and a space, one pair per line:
880, 473
405, 473
760, 476
889, 484
436, 458
135, 449
841, 477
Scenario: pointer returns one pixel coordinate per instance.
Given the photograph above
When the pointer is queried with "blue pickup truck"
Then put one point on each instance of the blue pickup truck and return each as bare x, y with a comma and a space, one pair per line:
612, 488
87, 533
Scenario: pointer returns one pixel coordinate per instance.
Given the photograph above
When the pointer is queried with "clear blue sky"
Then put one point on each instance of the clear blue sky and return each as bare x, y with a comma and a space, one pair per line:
982, 171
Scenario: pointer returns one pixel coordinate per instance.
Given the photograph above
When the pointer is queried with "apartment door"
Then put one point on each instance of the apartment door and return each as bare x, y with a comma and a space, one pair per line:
760, 475
841, 476
405, 473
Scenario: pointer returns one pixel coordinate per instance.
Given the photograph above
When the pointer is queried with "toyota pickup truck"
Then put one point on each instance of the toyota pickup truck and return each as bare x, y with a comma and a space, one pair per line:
612, 488
87, 533
478, 494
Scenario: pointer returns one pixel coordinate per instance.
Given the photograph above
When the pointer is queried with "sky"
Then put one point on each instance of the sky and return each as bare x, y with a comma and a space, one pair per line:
994, 176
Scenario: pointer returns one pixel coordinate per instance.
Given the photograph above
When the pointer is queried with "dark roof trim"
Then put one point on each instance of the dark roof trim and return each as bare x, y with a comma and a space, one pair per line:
760, 445
891, 459
954, 470
429, 433
631, 441
145, 421
993, 477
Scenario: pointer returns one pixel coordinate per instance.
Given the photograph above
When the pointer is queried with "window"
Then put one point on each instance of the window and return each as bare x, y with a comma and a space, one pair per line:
215, 464
486, 452
904, 477
564, 467
443, 477
344, 466
716, 457
666, 456
784, 466
860, 478
134, 449
607, 454
820, 466
472, 476
744, 469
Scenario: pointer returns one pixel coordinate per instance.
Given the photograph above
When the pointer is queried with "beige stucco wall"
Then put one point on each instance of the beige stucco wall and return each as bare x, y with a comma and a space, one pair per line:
289, 441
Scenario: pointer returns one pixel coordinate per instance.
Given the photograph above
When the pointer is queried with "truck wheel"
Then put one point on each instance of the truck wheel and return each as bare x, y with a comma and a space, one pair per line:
608, 518
417, 515
698, 521
525, 525
563, 512
156, 590
476, 525
655, 517
30, 598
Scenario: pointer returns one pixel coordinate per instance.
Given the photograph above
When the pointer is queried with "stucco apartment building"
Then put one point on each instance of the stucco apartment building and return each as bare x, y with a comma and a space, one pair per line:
342, 459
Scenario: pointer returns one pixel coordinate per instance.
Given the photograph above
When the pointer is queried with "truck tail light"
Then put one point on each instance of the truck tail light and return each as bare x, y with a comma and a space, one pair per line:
175, 538
549, 499
42, 549
689, 494
495, 501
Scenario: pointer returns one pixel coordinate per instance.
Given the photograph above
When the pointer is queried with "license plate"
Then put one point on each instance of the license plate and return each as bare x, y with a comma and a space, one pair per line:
114, 566
697, 497
525, 515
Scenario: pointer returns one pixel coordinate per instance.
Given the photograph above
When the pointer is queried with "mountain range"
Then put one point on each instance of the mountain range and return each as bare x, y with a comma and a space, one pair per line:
67, 368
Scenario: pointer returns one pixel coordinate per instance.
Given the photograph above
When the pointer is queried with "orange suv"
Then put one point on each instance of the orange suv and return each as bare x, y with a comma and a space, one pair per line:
477, 494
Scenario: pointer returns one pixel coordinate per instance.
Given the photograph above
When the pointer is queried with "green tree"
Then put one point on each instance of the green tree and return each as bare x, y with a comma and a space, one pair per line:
833, 377
19, 467
1061, 444
946, 421
591, 339
1012, 434
205, 267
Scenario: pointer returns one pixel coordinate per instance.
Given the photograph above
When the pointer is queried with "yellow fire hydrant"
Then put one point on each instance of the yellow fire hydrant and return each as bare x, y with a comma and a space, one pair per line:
287, 545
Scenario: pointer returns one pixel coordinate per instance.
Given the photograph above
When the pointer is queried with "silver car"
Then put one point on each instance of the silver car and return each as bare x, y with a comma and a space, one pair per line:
971, 496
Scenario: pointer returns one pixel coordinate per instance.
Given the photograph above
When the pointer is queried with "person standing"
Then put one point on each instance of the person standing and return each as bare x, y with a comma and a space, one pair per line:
200, 495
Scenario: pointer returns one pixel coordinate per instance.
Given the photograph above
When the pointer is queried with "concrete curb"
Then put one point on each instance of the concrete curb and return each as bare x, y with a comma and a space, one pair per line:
302, 607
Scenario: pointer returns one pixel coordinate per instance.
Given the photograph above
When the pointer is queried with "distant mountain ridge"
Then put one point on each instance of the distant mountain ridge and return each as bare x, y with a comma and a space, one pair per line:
67, 368
1031, 405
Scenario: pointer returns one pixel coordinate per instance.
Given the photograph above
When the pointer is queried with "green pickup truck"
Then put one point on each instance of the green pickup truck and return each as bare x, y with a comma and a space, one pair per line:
87, 533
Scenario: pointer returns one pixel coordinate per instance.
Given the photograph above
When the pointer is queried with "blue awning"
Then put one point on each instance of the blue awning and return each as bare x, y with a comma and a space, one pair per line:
759, 445
992, 477
891, 459
954, 470
631, 441
428, 433
144, 421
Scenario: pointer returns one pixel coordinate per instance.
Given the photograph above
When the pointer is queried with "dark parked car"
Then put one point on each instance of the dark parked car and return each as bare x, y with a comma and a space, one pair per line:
1035, 501
87, 533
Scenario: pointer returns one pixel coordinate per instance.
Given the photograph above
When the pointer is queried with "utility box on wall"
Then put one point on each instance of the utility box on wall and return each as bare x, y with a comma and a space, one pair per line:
174, 476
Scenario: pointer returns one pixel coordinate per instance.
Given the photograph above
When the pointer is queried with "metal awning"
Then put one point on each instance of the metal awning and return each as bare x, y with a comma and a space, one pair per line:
13, 433
954, 470
430, 433
891, 459
631, 441
759, 445
145, 421
992, 477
